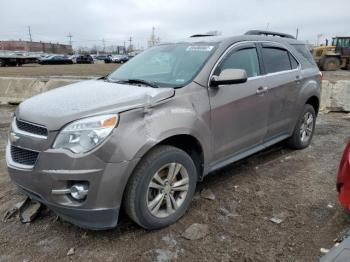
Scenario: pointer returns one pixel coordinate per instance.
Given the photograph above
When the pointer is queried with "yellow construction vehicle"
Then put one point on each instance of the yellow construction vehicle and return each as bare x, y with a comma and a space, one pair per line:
335, 56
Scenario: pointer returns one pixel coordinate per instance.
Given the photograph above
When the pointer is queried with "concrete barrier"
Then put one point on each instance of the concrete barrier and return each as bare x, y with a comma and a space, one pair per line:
335, 94
15, 90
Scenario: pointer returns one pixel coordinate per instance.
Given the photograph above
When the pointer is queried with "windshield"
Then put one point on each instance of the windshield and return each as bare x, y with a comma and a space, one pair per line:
171, 65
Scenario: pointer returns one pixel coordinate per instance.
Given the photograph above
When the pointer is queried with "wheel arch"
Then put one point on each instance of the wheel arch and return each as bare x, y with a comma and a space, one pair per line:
191, 146
184, 141
314, 102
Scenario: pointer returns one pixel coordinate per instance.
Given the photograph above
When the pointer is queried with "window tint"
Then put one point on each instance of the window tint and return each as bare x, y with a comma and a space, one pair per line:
246, 59
275, 59
304, 51
293, 62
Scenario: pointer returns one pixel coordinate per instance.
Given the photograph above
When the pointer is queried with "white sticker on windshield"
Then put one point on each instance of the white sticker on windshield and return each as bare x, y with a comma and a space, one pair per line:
201, 48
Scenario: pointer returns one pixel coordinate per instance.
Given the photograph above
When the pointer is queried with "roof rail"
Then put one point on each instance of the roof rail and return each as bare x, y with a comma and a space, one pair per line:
262, 32
201, 35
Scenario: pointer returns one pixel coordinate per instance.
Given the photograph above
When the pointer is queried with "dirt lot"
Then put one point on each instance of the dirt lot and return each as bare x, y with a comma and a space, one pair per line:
36, 70
336, 75
296, 186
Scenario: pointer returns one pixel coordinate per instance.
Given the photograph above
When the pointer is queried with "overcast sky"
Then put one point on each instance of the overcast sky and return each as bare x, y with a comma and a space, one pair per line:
90, 21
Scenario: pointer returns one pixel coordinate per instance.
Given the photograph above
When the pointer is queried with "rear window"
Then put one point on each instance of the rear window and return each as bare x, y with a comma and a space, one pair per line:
276, 59
304, 51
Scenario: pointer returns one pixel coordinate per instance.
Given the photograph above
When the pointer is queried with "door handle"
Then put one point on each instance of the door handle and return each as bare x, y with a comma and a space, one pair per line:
262, 90
297, 79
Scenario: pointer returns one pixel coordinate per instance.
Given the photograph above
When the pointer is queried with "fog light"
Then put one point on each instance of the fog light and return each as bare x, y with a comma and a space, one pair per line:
79, 191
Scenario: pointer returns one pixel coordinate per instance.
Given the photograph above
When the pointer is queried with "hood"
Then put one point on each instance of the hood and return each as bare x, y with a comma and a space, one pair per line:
60, 106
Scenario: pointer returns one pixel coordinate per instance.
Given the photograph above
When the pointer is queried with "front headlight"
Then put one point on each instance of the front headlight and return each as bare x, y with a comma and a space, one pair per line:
83, 135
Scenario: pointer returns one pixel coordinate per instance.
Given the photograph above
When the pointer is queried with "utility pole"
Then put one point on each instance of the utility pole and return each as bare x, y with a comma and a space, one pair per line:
104, 44
319, 36
130, 41
70, 38
153, 37
30, 34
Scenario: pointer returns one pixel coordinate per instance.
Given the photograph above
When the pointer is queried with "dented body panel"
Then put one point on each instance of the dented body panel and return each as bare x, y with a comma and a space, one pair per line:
228, 123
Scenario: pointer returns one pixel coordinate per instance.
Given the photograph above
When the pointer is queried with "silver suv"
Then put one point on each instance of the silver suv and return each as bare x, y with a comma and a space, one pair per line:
142, 137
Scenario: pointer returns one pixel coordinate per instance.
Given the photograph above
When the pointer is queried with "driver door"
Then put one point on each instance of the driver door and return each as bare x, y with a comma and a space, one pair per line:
239, 112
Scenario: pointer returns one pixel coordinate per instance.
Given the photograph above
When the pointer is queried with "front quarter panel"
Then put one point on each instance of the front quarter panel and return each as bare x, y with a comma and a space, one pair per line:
141, 129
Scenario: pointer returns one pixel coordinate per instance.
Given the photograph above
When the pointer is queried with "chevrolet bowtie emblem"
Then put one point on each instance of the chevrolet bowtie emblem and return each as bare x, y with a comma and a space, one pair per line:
13, 137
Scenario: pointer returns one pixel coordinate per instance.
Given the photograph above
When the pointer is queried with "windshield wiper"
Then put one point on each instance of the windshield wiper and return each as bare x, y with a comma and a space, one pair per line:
141, 81
134, 81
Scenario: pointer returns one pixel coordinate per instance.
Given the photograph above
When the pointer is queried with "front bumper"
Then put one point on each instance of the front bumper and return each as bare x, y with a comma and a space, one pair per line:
96, 219
57, 171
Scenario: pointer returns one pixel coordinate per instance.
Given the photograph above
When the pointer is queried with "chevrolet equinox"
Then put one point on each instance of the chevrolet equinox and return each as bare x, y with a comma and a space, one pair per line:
143, 136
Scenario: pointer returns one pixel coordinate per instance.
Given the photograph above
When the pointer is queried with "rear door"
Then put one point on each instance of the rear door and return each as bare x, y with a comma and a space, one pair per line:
239, 111
283, 80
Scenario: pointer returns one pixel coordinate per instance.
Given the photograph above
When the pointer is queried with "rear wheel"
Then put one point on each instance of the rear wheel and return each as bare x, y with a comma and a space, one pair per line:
304, 129
331, 64
161, 187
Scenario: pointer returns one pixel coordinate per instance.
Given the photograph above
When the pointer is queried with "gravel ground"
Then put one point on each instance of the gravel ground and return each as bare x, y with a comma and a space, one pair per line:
336, 75
297, 187
36, 70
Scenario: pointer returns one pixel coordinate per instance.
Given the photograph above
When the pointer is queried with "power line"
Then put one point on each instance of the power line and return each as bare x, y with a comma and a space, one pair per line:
104, 44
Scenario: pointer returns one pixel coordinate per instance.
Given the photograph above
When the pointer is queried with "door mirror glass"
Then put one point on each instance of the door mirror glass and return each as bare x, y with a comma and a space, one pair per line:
229, 77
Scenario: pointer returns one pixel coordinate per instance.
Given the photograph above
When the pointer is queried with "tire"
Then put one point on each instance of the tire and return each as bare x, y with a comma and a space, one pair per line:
139, 193
298, 140
331, 64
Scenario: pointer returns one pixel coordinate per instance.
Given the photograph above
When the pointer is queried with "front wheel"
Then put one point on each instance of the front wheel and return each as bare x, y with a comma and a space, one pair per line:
304, 129
161, 187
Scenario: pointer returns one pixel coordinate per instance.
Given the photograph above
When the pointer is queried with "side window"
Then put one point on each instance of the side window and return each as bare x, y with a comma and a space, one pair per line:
246, 59
305, 52
275, 59
293, 62
344, 42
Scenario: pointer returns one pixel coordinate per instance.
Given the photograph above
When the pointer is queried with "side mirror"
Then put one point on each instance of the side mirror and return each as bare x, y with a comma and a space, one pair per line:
229, 77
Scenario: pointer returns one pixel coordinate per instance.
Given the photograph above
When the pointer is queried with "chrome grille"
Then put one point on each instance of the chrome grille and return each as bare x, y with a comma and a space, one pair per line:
31, 128
23, 156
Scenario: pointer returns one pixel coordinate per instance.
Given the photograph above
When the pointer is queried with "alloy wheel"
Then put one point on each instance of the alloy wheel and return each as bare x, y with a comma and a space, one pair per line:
306, 127
167, 190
